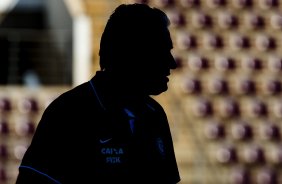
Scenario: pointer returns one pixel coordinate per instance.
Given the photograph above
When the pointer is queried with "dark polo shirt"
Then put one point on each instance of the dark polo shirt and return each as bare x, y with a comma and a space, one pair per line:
87, 136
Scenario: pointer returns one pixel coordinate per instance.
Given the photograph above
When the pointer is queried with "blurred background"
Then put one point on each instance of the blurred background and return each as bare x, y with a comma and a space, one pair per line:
224, 102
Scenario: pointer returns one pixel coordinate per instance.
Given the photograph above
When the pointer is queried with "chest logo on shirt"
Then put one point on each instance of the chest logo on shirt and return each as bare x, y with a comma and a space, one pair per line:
112, 154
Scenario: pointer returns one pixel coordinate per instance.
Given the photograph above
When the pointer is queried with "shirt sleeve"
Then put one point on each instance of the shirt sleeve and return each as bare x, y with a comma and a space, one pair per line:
171, 163
43, 161
29, 175
171, 159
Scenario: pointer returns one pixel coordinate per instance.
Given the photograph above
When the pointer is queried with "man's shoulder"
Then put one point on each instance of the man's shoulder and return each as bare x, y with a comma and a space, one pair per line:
72, 93
80, 96
79, 90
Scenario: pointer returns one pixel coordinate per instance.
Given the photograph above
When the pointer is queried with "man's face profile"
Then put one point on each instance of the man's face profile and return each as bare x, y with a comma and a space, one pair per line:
136, 49
156, 61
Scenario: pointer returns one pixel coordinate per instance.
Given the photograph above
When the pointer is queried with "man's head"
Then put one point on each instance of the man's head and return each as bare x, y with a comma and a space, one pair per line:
136, 45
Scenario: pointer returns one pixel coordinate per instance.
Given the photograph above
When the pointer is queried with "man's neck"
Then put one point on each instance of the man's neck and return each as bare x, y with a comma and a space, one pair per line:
117, 88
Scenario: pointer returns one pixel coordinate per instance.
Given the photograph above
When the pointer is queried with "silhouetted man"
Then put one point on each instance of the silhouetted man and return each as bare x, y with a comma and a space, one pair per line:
109, 130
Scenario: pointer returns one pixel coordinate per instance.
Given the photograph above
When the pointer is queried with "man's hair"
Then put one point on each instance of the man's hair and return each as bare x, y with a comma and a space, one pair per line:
129, 32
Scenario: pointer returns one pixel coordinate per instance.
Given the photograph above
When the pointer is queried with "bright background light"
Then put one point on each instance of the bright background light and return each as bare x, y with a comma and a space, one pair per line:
6, 5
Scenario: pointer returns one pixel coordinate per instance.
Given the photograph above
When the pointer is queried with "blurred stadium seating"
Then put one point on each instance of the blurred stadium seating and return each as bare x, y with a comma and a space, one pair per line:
224, 101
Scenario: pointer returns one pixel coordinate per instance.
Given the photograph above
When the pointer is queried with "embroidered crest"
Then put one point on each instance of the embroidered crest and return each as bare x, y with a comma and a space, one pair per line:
160, 146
